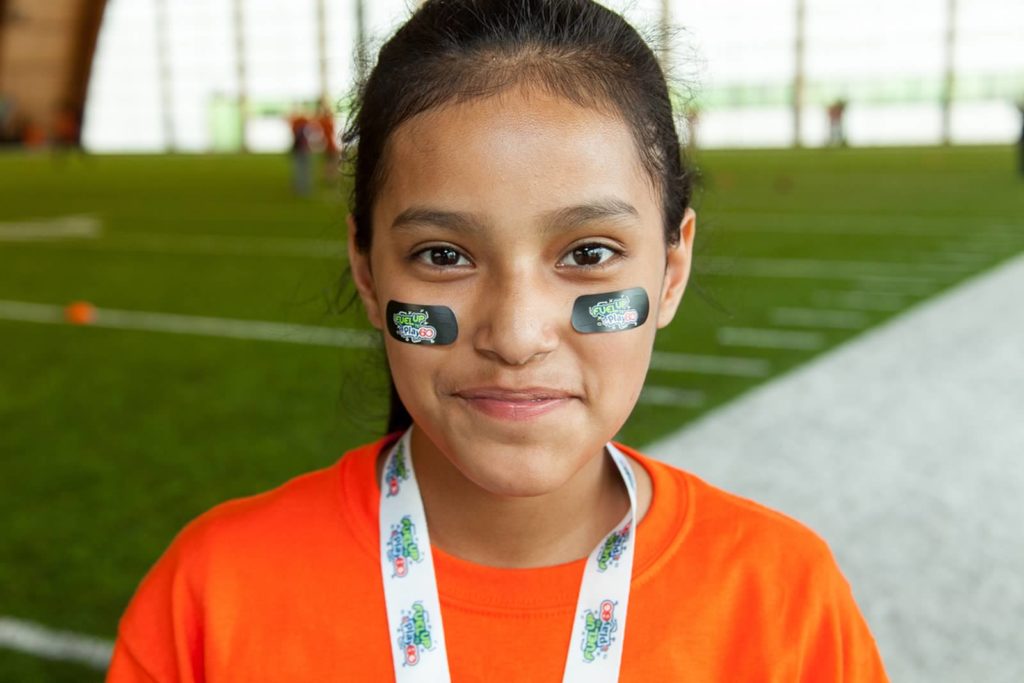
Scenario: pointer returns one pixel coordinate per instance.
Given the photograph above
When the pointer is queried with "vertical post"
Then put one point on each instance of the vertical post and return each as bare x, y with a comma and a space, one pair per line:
949, 79
163, 62
798, 74
666, 46
321, 44
360, 39
243, 94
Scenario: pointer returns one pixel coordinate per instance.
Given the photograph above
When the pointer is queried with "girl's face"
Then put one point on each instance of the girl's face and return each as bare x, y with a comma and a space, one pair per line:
506, 209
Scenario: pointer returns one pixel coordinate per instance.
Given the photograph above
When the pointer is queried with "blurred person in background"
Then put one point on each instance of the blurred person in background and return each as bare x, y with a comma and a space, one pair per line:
692, 116
33, 135
325, 120
8, 134
67, 130
301, 153
836, 115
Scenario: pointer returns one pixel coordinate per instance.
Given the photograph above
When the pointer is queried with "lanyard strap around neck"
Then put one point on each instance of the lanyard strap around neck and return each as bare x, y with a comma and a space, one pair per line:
410, 586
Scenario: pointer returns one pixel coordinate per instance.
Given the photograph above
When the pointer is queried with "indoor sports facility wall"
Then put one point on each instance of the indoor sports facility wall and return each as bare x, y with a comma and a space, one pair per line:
218, 74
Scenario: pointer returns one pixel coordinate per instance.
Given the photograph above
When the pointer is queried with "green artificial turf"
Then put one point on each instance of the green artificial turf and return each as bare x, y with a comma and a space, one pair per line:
110, 440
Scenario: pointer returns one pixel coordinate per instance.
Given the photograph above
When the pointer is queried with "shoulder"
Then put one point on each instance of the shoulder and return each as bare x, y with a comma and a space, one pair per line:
253, 533
760, 580
238, 523
290, 515
241, 561
716, 521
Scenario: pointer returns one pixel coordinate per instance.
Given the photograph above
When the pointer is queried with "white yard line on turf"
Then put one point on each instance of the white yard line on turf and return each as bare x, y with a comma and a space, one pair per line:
30, 312
710, 365
184, 243
214, 245
902, 449
327, 336
767, 338
825, 268
860, 300
795, 227
971, 258
888, 224
50, 229
818, 317
907, 284
48, 643
199, 325
671, 396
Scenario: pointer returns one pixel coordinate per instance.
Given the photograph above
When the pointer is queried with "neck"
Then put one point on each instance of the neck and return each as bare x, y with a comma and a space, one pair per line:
505, 531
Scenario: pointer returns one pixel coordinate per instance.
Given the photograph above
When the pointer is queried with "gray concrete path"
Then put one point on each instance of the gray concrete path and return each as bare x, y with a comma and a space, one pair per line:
904, 449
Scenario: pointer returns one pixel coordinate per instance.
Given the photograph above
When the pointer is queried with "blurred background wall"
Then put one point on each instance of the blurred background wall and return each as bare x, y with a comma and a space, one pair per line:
193, 75
46, 54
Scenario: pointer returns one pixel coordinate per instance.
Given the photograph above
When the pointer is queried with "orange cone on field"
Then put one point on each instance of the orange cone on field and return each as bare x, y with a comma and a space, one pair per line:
80, 313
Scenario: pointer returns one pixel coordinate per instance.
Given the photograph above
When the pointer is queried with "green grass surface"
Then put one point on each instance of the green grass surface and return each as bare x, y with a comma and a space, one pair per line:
110, 440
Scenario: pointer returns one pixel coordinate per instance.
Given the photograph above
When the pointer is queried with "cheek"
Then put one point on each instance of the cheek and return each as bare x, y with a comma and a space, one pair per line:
414, 368
615, 363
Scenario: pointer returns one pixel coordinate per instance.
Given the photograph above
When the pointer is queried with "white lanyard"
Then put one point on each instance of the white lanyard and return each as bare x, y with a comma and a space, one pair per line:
410, 586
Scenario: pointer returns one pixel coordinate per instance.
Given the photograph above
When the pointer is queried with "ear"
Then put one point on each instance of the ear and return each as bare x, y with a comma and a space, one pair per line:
362, 276
677, 269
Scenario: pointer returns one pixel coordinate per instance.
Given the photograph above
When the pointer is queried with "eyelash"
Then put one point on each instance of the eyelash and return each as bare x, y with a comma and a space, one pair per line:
616, 253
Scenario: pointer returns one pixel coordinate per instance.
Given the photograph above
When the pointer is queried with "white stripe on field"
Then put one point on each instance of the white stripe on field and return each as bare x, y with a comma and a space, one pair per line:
201, 244
48, 229
864, 301
819, 317
328, 336
710, 365
48, 643
224, 244
770, 339
824, 269
972, 258
888, 224
794, 227
973, 244
671, 396
199, 325
908, 284
1000, 241
29, 312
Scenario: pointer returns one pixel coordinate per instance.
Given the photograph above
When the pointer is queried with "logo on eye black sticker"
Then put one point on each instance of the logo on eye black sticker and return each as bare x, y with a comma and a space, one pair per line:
610, 311
416, 324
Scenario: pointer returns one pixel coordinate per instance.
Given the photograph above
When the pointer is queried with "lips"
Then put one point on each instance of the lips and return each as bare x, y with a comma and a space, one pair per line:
515, 404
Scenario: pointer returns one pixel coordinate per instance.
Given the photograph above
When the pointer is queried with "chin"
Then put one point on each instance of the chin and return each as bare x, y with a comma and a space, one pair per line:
517, 470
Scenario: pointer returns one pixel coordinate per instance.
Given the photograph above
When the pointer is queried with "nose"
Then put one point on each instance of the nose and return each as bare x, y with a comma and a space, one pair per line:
516, 319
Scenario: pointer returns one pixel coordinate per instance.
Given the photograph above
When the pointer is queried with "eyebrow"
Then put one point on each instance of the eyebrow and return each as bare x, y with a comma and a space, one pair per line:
564, 218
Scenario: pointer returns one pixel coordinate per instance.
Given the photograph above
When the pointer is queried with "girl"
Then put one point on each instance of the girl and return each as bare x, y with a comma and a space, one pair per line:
520, 228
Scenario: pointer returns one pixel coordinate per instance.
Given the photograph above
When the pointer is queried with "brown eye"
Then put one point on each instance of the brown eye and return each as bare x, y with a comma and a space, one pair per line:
588, 255
440, 257
444, 257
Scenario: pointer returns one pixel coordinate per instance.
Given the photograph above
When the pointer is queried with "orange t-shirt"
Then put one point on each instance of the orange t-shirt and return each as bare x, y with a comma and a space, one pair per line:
286, 586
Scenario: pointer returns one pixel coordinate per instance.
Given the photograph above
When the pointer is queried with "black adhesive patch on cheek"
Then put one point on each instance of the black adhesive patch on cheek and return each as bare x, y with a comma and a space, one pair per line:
610, 311
418, 324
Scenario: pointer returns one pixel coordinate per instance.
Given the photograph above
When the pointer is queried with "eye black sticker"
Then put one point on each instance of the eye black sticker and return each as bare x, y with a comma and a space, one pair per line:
610, 311
417, 324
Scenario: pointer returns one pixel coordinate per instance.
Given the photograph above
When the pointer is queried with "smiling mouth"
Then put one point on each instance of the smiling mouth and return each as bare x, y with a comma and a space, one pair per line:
515, 406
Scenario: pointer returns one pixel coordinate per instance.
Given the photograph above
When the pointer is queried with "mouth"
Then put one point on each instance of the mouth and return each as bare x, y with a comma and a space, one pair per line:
515, 404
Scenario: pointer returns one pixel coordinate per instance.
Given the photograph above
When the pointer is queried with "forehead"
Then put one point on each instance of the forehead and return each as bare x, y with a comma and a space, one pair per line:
512, 154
